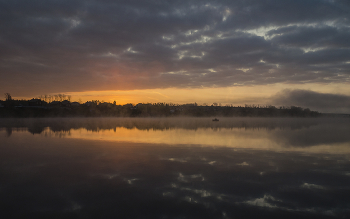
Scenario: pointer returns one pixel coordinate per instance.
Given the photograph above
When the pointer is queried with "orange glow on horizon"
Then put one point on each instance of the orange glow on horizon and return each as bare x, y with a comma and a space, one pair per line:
236, 95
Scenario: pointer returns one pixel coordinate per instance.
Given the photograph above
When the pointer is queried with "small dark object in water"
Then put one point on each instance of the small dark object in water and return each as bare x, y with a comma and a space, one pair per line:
215, 120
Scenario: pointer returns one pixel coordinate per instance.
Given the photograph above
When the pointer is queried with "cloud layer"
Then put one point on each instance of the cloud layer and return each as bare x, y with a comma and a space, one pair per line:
313, 100
76, 45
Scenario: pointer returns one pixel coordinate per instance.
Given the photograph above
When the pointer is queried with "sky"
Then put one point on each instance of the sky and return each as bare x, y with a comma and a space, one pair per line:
290, 52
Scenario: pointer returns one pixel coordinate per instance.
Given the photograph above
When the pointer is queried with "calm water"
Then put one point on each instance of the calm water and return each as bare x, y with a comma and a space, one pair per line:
175, 168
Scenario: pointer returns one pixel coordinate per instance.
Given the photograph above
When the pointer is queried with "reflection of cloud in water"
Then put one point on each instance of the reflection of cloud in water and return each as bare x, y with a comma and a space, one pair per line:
110, 176
190, 178
312, 186
202, 193
269, 201
130, 181
243, 164
177, 160
190, 199
168, 194
197, 196
263, 202
74, 206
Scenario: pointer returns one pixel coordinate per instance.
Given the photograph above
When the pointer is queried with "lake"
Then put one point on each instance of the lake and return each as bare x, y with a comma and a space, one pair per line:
175, 168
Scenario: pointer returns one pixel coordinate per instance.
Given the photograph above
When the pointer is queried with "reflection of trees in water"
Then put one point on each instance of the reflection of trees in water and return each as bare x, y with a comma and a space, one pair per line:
285, 131
8, 131
46, 131
58, 134
36, 129
36, 126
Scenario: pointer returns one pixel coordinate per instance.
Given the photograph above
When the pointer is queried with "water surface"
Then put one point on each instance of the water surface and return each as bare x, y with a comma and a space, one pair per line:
175, 168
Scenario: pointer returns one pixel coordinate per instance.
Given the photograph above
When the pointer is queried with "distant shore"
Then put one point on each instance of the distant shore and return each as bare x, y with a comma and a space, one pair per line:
39, 108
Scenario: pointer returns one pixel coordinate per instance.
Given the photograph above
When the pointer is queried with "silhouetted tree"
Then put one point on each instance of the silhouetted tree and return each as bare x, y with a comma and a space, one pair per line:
8, 97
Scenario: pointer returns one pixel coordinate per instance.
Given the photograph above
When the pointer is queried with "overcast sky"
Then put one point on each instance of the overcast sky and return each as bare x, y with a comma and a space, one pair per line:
60, 46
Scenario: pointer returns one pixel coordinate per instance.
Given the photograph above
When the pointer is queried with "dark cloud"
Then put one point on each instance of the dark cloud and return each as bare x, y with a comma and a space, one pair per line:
324, 102
62, 46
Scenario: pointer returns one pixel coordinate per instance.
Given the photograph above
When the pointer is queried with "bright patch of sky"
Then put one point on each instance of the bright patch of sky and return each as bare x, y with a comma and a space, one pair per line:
109, 54
74, 22
263, 31
226, 14
130, 50
307, 50
185, 53
177, 72
243, 69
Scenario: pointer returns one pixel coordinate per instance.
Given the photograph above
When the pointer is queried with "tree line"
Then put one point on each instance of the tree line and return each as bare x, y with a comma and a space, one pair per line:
61, 106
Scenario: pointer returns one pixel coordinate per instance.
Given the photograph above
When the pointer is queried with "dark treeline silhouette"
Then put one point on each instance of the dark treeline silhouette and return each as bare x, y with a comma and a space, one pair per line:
61, 106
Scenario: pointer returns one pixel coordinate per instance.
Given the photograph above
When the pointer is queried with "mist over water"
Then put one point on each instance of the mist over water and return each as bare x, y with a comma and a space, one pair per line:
175, 168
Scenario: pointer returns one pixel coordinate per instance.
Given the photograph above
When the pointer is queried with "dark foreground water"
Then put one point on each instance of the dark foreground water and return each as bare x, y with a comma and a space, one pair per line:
175, 168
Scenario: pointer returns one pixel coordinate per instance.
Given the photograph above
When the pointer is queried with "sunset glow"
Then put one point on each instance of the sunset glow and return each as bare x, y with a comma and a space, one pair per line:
236, 95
